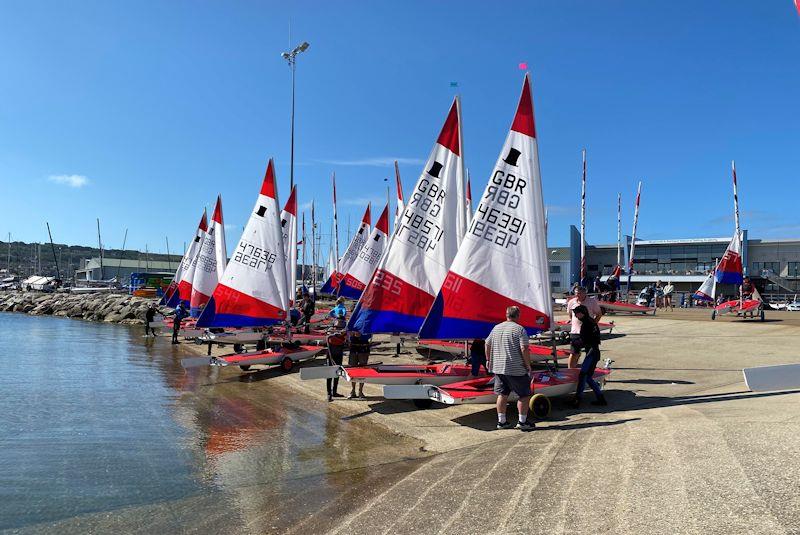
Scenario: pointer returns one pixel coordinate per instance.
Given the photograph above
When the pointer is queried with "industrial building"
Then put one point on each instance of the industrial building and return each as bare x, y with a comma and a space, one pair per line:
773, 265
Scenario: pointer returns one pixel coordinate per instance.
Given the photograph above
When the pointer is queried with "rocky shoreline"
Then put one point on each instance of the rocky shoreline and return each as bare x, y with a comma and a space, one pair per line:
106, 307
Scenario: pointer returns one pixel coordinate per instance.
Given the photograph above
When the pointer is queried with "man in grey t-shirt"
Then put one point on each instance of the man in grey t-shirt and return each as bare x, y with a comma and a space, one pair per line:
508, 357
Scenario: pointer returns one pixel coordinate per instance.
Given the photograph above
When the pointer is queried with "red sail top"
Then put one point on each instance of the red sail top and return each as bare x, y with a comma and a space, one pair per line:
218, 211
383, 221
367, 218
291, 204
268, 186
449, 136
523, 119
203, 222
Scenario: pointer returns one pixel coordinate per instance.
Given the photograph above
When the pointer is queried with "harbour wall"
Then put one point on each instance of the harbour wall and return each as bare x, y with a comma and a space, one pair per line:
106, 307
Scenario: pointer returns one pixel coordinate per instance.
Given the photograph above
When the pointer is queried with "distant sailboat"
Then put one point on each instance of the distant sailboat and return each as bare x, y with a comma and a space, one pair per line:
209, 268
363, 267
183, 294
350, 254
253, 290
289, 233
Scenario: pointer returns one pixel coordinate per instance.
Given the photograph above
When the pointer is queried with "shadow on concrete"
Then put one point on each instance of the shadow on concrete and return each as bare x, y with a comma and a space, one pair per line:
653, 382
621, 400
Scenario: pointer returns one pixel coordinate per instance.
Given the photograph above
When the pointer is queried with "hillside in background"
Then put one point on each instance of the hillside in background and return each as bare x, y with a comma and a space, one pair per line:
25, 258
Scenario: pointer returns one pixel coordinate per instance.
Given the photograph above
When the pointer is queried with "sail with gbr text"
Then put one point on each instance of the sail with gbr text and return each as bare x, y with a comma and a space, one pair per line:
424, 243
503, 258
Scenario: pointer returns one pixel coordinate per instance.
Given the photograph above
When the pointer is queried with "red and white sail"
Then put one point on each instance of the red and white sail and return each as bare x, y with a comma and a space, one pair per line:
707, 290
363, 267
186, 286
289, 233
350, 254
208, 271
503, 258
253, 290
424, 243
181, 285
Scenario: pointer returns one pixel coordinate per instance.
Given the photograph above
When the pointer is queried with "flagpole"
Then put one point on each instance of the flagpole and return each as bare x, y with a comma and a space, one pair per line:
633, 236
583, 220
619, 229
313, 249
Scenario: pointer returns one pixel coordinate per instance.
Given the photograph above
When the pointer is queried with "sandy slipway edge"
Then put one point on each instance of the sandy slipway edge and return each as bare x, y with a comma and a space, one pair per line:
106, 307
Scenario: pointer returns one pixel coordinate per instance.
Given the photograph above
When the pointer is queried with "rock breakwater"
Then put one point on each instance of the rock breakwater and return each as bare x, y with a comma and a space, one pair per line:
109, 308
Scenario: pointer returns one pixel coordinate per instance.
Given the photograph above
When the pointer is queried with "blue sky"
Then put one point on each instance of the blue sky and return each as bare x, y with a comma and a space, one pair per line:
162, 105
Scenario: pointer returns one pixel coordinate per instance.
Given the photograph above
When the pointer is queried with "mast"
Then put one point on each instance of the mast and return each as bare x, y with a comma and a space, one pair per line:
619, 229
100, 245
583, 220
335, 221
124, 241
8, 258
303, 270
313, 248
53, 247
169, 260
146, 258
633, 235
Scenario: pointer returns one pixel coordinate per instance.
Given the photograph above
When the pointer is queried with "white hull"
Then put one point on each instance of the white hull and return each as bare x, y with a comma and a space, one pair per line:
267, 359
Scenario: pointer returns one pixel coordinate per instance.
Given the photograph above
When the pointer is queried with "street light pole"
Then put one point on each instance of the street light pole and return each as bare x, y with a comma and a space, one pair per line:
291, 58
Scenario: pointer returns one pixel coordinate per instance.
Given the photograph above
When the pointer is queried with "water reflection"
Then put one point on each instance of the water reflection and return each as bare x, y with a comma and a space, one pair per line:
97, 417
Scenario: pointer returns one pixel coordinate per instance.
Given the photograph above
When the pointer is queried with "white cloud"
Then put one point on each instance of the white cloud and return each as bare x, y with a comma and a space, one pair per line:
73, 181
386, 161
362, 201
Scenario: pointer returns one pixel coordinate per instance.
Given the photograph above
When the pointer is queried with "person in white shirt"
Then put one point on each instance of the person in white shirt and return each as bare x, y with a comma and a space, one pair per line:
593, 306
669, 290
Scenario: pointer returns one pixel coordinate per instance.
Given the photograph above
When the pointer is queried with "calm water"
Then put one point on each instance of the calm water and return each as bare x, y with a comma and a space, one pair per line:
95, 418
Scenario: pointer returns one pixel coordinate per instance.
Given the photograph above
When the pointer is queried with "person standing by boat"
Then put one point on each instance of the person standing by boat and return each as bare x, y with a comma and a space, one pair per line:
336, 341
508, 357
593, 306
477, 356
180, 313
359, 356
590, 339
307, 308
149, 318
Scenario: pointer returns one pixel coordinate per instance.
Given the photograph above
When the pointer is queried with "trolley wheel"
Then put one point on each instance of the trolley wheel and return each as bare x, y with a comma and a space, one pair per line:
422, 403
539, 405
238, 348
287, 364
244, 367
713, 315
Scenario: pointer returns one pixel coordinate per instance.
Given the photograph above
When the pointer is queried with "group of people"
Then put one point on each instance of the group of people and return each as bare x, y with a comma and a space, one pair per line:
660, 294
339, 339
506, 354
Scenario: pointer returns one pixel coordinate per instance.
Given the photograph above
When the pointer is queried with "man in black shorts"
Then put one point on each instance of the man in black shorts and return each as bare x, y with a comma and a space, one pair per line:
359, 356
508, 357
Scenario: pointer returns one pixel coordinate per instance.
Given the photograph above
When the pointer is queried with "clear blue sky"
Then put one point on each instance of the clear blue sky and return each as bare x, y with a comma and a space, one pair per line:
161, 105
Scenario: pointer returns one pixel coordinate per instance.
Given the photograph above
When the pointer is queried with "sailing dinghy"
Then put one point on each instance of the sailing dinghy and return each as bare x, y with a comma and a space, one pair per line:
363, 267
253, 291
211, 262
424, 244
185, 273
501, 262
356, 244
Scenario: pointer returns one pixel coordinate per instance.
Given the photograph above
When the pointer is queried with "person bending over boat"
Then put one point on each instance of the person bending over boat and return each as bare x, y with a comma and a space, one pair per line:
336, 342
593, 306
359, 356
590, 338
307, 308
508, 357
